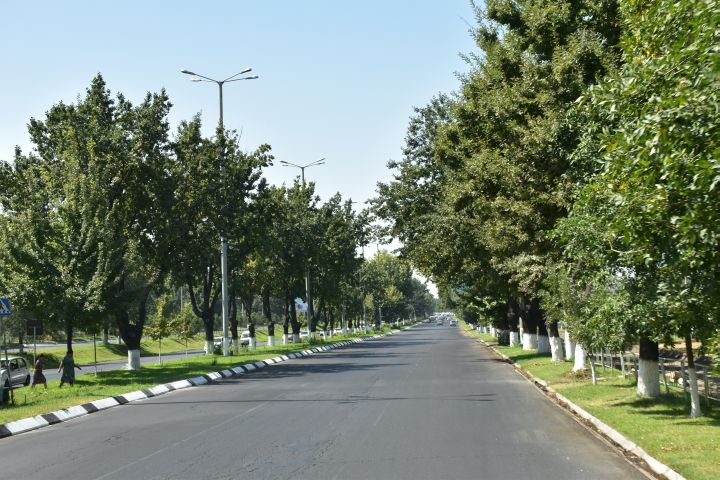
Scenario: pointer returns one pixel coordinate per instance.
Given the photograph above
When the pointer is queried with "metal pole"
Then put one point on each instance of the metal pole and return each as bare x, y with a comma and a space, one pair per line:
707, 386
7, 362
223, 246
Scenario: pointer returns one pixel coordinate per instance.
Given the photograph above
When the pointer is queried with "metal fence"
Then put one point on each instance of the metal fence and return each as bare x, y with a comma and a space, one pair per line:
672, 370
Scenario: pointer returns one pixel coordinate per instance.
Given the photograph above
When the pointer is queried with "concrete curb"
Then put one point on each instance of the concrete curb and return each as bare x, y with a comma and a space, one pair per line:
630, 449
33, 423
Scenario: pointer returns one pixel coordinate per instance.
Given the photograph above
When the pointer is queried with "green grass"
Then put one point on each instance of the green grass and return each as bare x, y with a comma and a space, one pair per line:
30, 402
112, 352
661, 426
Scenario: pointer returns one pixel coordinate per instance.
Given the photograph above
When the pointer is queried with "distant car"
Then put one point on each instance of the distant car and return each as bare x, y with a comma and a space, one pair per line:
13, 372
453, 322
244, 339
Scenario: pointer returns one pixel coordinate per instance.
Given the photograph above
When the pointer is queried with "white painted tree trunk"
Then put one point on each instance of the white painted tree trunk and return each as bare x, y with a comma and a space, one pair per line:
529, 341
271, 341
344, 331
569, 346
543, 344
694, 394
296, 337
514, 339
235, 346
133, 359
556, 349
209, 347
579, 358
648, 379
493, 332
253, 343
285, 339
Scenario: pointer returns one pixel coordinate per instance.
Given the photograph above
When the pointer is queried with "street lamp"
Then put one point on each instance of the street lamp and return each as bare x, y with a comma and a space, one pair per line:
223, 241
308, 292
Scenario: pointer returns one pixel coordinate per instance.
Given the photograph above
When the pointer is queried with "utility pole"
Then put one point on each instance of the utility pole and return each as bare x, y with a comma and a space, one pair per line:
308, 289
223, 239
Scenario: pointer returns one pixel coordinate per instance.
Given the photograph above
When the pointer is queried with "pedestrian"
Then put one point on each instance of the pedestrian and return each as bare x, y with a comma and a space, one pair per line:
67, 367
38, 376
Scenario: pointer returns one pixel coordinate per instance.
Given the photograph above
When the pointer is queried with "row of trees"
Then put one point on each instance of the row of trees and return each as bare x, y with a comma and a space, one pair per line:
109, 212
574, 177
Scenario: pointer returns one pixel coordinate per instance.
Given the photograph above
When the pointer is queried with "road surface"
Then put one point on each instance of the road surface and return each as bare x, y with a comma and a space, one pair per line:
428, 403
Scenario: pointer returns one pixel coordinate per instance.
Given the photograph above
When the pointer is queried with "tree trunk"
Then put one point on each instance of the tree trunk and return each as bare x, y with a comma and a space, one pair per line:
569, 346
131, 332
695, 410
233, 319
556, 345
209, 324
501, 325
579, 358
286, 321
529, 336
106, 335
251, 329
543, 337
512, 321
69, 334
294, 321
648, 377
268, 317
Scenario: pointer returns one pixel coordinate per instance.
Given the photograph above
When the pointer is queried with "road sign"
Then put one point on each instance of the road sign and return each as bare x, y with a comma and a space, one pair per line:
34, 327
4, 307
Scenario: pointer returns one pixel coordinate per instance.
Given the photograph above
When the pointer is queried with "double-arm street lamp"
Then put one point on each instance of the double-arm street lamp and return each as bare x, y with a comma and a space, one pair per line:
223, 240
308, 291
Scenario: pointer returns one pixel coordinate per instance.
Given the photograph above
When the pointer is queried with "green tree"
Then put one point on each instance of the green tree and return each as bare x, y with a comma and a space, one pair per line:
649, 210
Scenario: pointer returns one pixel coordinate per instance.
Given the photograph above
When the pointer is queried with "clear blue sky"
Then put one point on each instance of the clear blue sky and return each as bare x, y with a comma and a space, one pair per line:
338, 78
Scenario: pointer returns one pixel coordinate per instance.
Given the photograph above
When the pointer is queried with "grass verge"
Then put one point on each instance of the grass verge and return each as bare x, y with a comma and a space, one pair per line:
661, 427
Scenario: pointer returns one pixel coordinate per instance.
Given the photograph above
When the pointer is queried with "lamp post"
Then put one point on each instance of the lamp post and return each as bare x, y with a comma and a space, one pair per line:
308, 290
223, 240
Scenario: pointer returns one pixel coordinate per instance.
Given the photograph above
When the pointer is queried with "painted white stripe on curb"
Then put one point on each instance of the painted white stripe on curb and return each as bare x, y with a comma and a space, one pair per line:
105, 403
159, 389
181, 384
198, 380
250, 366
23, 425
136, 395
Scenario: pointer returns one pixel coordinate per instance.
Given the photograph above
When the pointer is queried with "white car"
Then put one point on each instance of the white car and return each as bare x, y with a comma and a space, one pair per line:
13, 371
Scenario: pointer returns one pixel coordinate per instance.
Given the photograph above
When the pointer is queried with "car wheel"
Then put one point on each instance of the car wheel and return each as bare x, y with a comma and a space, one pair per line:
27, 381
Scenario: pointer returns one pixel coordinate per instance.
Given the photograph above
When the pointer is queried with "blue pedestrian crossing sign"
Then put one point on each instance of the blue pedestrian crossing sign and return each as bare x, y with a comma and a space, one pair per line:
4, 307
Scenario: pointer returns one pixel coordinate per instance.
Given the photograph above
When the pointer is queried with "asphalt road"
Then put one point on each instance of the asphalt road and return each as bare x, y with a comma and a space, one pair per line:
428, 403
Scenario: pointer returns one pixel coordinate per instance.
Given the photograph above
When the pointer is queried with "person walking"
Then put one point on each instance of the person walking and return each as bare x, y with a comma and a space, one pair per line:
38, 376
67, 367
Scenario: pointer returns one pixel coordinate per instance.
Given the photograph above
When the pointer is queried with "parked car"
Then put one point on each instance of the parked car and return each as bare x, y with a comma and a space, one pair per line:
244, 339
13, 372
453, 322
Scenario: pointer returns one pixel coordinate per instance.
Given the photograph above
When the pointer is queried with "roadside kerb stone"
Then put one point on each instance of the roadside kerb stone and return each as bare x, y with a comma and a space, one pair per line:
33, 423
629, 448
